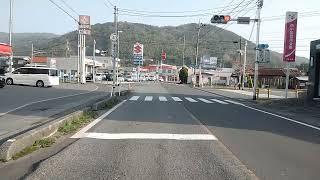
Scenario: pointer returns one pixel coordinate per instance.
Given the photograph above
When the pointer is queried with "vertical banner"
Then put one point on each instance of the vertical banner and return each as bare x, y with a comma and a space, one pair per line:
290, 35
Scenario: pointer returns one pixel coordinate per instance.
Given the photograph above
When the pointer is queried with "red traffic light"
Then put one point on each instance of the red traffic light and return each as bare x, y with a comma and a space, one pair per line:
220, 19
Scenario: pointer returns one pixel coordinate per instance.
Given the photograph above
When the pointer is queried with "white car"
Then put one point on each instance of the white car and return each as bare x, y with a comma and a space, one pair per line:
98, 77
35, 76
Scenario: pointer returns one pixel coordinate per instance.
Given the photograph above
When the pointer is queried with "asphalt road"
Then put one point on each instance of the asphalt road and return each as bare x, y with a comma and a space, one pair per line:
142, 157
270, 146
23, 107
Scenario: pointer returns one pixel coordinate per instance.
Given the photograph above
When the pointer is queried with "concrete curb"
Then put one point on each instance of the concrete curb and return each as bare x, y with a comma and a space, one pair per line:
14, 145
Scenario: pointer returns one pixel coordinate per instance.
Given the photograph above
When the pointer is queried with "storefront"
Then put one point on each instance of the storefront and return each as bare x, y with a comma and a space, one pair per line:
314, 70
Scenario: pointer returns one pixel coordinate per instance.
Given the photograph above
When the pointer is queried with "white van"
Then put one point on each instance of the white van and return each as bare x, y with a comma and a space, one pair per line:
35, 76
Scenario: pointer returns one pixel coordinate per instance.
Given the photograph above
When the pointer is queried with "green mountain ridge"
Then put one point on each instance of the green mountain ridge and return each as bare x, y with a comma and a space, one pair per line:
213, 42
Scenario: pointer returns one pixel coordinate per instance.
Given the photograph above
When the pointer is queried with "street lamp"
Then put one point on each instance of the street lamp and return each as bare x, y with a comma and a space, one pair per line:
10, 33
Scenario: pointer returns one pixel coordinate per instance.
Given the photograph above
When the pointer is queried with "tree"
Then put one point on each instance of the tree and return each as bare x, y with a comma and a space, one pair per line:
183, 75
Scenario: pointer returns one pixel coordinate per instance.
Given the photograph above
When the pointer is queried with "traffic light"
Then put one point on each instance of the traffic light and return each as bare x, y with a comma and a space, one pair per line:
220, 19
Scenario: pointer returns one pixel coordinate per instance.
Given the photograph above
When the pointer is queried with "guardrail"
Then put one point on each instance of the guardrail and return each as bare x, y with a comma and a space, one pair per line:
260, 90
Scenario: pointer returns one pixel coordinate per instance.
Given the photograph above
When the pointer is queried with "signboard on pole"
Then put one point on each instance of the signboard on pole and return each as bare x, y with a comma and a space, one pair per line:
163, 56
84, 25
137, 53
289, 50
209, 62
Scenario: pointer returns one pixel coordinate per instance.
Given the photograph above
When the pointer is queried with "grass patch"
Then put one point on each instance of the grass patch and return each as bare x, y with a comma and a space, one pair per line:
25, 151
77, 122
112, 102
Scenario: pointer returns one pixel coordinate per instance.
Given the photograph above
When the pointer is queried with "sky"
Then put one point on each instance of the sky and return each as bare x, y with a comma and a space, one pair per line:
43, 16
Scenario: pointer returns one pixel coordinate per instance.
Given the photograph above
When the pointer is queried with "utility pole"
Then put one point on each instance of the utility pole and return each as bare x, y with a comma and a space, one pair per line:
32, 55
94, 62
79, 58
10, 33
184, 49
256, 65
67, 49
240, 53
114, 50
244, 64
197, 53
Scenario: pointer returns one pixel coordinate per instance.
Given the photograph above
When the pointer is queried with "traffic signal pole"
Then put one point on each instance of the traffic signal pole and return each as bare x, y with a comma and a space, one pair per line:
256, 64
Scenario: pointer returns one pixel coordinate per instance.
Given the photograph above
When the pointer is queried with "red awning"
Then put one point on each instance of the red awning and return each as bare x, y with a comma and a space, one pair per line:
5, 49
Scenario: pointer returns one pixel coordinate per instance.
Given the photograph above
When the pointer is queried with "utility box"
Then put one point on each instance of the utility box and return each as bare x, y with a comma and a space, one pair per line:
314, 70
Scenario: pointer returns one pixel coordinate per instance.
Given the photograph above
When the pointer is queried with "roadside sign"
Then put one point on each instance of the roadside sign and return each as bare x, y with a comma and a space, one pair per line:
84, 19
243, 20
263, 46
85, 31
163, 56
289, 50
264, 56
113, 37
138, 54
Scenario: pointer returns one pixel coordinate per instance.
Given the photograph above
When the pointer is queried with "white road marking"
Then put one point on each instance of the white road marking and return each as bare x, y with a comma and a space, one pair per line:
162, 98
44, 100
234, 102
205, 101
190, 99
177, 99
276, 115
148, 98
117, 136
134, 98
81, 133
219, 101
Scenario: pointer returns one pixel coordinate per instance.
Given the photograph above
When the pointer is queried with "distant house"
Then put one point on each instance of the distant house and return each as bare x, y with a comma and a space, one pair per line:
276, 77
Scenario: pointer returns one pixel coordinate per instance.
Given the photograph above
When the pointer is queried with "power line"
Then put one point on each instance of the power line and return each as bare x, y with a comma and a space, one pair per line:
110, 3
68, 6
175, 12
64, 11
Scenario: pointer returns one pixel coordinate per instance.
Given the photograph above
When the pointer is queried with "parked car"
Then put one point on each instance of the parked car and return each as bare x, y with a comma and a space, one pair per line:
120, 78
128, 78
36, 76
89, 77
2, 79
151, 78
99, 77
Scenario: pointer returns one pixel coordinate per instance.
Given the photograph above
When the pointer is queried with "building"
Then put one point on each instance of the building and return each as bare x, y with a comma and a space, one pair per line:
274, 77
219, 76
166, 72
314, 70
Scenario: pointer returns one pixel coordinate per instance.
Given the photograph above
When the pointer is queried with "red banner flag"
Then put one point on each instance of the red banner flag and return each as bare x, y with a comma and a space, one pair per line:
289, 50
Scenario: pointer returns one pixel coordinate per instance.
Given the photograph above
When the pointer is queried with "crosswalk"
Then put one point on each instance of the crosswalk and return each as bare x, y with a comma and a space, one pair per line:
183, 99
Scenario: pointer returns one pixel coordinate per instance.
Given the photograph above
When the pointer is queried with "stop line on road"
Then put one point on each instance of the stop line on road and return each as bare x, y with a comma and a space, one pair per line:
181, 99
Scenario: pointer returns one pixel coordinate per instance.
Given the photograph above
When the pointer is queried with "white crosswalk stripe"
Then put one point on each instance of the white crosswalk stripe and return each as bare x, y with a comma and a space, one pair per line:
219, 101
148, 98
162, 98
190, 99
177, 99
134, 98
205, 101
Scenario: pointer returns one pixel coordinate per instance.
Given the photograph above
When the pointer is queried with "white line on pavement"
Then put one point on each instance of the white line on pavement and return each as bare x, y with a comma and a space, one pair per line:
219, 101
115, 136
162, 98
81, 133
234, 102
205, 101
190, 99
177, 99
134, 98
44, 100
276, 115
148, 98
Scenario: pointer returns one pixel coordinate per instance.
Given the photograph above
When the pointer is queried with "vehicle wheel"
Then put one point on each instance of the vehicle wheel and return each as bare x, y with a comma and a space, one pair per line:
39, 83
9, 81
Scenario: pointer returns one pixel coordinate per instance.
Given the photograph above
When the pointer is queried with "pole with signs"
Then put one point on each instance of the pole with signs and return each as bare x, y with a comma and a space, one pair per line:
94, 61
84, 29
289, 50
256, 64
244, 64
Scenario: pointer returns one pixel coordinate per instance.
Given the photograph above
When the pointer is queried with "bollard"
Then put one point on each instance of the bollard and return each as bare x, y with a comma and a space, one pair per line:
269, 93
257, 93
